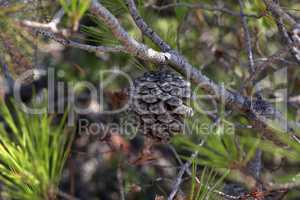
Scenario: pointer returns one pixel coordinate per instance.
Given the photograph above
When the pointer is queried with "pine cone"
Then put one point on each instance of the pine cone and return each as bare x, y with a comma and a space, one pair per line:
159, 103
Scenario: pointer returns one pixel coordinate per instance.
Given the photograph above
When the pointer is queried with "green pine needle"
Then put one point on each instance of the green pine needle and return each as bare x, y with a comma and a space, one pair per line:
209, 182
32, 154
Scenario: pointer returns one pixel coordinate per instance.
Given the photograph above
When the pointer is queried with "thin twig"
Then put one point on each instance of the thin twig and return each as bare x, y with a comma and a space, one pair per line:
290, 185
120, 182
175, 154
260, 68
85, 47
277, 11
145, 28
257, 165
280, 16
188, 171
201, 6
51, 26
254, 168
10, 82
283, 31
186, 168
180, 175
247, 38
57, 17
66, 196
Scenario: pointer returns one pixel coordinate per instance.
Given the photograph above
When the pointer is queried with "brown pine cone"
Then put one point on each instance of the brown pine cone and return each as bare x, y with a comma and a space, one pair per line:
159, 103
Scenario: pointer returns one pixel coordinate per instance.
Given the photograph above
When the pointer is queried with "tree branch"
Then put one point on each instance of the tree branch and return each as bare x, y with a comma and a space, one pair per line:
263, 115
131, 45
